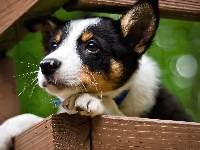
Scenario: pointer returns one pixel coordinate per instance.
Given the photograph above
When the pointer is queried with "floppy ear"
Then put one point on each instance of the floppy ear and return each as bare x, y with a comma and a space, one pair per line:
47, 25
44, 24
139, 25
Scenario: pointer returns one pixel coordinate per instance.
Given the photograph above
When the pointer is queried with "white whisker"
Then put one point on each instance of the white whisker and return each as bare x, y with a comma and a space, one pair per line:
25, 86
33, 80
34, 87
26, 74
83, 86
27, 63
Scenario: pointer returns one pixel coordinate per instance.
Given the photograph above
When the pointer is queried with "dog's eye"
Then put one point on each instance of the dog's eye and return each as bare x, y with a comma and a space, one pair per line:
54, 46
92, 47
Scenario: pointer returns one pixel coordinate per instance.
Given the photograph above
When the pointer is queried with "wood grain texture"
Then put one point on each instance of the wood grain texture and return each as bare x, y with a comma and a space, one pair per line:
13, 13
38, 137
122, 133
11, 10
175, 9
57, 132
9, 104
65, 131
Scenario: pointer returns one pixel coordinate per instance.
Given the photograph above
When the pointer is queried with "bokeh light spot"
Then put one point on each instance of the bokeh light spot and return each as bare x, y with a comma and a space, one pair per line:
186, 66
164, 38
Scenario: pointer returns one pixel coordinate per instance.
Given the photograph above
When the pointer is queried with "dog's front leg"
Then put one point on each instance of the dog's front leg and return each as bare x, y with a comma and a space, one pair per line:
15, 126
110, 107
89, 105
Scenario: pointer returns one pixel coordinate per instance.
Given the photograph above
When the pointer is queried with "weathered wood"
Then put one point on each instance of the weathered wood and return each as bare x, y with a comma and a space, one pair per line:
13, 13
122, 133
11, 10
9, 104
57, 132
64, 131
175, 9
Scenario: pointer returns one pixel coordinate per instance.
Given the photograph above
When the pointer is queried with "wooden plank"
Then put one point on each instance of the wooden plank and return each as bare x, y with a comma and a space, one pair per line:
38, 137
11, 10
111, 132
65, 131
13, 13
174, 9
9, 104
57, 132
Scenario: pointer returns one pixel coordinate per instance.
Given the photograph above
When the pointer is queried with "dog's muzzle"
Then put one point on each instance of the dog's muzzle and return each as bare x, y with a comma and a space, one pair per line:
49, 66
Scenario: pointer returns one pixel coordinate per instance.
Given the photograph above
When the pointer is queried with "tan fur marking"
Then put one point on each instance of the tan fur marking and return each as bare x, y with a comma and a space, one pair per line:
132, 17
152, 27
58, 36
116, 70
127, 22
87, 35
95, 82
52, 24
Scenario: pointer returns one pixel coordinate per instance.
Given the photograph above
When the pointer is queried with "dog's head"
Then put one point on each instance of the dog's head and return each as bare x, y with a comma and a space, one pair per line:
94, 55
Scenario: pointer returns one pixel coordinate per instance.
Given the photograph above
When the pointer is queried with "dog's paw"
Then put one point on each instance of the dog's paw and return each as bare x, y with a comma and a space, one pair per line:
84, 104
15, 126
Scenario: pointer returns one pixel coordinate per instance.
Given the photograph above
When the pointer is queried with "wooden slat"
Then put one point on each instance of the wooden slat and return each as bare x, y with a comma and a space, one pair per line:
57, 132
9, 104
11, 10
65, 131
175, 9
123, 133
29, 139
13, 13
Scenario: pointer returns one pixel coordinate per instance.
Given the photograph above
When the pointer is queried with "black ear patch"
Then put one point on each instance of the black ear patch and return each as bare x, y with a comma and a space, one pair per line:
139, 25
40, 24
48, 26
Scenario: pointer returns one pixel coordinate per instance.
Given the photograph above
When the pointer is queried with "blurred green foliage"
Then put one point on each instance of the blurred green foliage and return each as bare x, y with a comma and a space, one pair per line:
176, 48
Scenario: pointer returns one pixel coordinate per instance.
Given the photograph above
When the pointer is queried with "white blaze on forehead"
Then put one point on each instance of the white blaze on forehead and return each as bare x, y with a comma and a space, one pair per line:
66, 53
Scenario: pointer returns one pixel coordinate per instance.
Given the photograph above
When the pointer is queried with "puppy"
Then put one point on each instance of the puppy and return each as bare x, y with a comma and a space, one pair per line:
96, 66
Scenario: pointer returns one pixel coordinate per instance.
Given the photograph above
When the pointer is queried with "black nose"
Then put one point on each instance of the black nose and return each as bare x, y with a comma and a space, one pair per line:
49, 66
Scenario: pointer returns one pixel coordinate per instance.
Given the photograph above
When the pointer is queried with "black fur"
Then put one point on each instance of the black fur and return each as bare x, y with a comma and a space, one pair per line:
108, 36
167, 108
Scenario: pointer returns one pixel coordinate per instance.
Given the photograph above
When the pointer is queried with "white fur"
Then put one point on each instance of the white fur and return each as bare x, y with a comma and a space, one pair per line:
15, 126
144, 86
90, 105
67, 54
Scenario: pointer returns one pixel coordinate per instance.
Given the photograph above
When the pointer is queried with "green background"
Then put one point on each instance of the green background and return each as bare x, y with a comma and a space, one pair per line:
176, 48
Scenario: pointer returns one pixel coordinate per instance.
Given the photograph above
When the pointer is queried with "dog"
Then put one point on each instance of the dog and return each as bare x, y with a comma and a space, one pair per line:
97, 66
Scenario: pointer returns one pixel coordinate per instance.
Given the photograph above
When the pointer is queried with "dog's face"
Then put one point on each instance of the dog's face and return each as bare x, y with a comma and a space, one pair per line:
87, 51
95, 55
